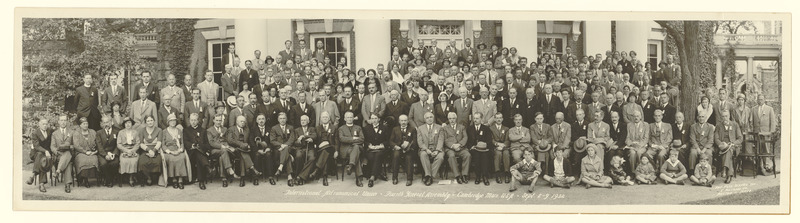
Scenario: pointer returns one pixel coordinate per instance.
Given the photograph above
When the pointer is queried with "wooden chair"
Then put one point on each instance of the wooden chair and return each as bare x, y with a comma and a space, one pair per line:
750, 138
766, 149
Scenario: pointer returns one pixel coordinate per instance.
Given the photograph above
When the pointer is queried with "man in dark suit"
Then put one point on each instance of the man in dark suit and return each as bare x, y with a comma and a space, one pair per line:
549, 105
107, 152
114, 93
188, 86
229, 57
151, 89
87, 100
614, 107
287, 54
260, 142
468, 51
403, 144
669, 109
680, 131
41, 154
480, 145
300, 109
531, 107
196, 142
408, 49
250, 110
409, 96
618, 131
230, 83
511, 106
282, 105
349, 104
237, 137
395, 109
248, 76
195, 106
303, 147
575, 105
648, 107
219, 147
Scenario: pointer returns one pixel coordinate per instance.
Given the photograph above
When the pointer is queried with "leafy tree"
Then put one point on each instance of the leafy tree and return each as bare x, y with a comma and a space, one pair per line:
733, 26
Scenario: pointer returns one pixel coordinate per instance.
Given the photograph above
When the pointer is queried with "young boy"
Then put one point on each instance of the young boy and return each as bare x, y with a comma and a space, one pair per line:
559, 172
703, 175
617, 173
645, 173
525, 172
673, 171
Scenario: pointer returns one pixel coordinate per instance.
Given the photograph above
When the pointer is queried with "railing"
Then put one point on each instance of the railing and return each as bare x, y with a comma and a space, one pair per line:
747, 39
146, 37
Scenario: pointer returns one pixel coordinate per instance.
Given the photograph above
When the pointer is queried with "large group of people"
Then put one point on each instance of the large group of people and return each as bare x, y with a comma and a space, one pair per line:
482, 112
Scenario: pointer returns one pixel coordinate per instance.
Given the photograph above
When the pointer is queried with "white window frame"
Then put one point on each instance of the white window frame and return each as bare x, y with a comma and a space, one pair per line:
659, 52
345, 39
563, 38
442, 41
210, 44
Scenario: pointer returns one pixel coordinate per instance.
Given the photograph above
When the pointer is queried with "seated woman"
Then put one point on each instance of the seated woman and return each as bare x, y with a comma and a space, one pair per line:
376, 138
525, 172
617, 173
703, 175
673, 171
174, 153
128, 143
645, 173
149, 157
592, 169
86, 162
559, 171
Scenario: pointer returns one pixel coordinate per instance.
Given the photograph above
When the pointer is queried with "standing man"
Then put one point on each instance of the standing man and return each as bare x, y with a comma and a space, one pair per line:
373, 103
395, 109
303, 109
229, 57
765, 123
248, 76
230, 83
208, 89
288, 53
484, 106
464, 105
549, 104
151, 89
325, 105
87, 101
114, 93
195, 106
143, 108
416, 114
348, 104
174, 93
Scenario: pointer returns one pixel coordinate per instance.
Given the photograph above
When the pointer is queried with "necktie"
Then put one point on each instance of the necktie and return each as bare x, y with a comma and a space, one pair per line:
219, 130
108, 131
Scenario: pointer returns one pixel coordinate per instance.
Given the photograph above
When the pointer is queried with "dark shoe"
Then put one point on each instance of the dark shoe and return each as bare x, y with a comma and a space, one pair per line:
428, 180
30, 181
325, 181
508, 177
255, 181
349, 169
224, 183
551, 184
371, 183
358, 182
383, 178
485, 181
465, 178
408, 182
512, 189
458, 179
497, 178
202, 185
272, 181
42, 189
530, 191
394, 180
290, 183
477, 180
727, 179
87, 184
241, 182
180, 186
67, 188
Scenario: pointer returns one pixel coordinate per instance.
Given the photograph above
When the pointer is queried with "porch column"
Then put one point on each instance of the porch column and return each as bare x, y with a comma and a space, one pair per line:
597, 37
280, 30
523, 36
251, 35
372, 42
719, 72
749, 74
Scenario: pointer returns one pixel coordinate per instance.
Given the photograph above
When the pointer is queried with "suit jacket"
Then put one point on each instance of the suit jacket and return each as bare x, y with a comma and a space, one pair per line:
599, 132
277, 107
152, 92
285, 136
409, 100
742, 115
354, 106
197, 136
367, 107
106, 143
208, 90
216, 138
618, 108
201, 111
286, 54
163, 114
488, 109
139, 111
472, 51
61, 141
347, 136
482, 134
187, 91
255, 131
238, 138
248, 76
510, 109
454, 135
230, 85
591, 108
42, 141
543, 134
499, 135
86, 100
618, 133
462, 110
647, 111
764, 120
416, 114
572, 108
118, 96
531, 107
310, 132
562, 134
731, 136
393, 112
519, 137
579, 130
331, 107
399, 136
639, 134
432, 139
702, 136
440, 114
305, 54
176, 95
296, 112
681, 133
233, 114
549, 109
660, 136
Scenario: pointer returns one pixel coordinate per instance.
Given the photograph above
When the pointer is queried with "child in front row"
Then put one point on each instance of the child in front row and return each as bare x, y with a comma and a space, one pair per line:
645, 173
673, 171
617, 173
703, 176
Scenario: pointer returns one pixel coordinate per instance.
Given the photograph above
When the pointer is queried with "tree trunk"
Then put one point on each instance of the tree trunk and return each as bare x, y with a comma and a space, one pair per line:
691, 69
